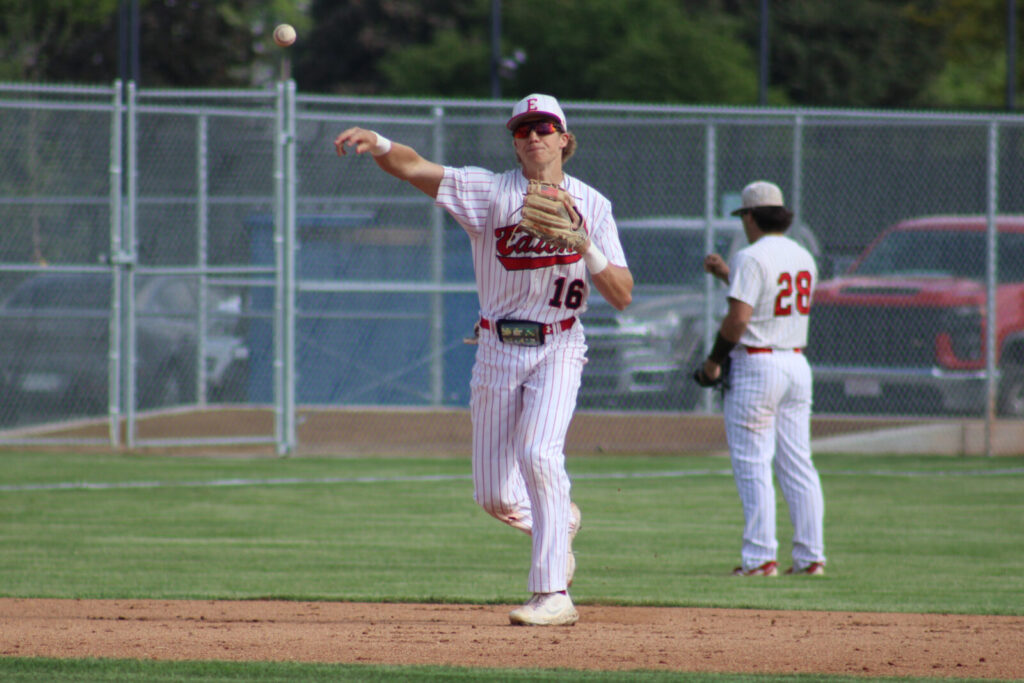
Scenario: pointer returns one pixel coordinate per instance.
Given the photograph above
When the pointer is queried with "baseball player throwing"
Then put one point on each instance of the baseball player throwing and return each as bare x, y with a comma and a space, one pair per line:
531, 349
767, 404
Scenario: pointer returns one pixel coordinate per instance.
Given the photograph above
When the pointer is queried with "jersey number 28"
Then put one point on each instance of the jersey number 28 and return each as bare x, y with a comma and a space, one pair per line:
793, 290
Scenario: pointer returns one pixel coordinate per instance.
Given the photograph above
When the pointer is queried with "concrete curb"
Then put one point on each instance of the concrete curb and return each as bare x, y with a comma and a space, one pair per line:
946, 438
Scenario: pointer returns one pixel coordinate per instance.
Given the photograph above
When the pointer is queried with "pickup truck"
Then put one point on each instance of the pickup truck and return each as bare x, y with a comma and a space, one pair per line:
904, 329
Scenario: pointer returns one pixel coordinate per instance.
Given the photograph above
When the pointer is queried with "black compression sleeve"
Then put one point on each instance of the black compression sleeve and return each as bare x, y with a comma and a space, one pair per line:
720, 351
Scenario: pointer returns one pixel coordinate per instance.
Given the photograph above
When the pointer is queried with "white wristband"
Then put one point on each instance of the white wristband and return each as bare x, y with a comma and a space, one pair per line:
595, 260
382, 147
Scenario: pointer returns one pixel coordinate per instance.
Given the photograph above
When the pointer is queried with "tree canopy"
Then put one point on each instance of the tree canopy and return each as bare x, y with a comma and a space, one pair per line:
972, 53
182, 43
858, 53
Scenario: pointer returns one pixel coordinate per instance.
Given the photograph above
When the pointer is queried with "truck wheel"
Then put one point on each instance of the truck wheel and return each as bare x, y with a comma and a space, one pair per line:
1011, 392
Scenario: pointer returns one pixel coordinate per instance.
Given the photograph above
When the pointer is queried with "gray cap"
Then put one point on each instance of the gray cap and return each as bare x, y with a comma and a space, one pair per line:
760, 193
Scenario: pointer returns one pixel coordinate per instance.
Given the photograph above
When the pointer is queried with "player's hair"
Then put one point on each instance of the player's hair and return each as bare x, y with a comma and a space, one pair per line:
772, 218
567, 151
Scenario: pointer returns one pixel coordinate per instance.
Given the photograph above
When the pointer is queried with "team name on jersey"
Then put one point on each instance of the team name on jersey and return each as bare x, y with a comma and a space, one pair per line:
520, 251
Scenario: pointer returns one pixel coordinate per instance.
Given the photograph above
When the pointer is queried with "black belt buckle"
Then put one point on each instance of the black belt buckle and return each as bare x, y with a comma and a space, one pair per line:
520, 332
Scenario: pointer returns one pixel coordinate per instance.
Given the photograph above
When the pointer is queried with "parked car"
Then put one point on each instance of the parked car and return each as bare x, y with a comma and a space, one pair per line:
55, 338
904, 330
643, 357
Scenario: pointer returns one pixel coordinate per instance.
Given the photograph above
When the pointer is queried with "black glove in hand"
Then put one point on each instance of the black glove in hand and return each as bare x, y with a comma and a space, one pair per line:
703, 380
721, 381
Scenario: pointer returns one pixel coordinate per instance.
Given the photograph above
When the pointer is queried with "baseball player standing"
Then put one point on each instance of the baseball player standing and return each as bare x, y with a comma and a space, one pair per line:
531, 349
767, 404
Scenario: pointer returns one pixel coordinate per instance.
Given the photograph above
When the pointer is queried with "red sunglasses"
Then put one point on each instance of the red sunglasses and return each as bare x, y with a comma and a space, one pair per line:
523, 130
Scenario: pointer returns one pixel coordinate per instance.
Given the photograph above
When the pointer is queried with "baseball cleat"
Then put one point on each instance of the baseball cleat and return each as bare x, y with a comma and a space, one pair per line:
813, 569
575, 522
545, 609
770, 568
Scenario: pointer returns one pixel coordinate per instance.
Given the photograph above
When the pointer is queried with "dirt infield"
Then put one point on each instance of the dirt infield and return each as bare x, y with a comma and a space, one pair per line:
606, 638
347, 431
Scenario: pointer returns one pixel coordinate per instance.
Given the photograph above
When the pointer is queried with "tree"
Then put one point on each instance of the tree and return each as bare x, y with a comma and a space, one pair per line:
858, 53
451, 64
655, 52
862, 53
641, 50
182, 44
868, 53
40, 38
973, 49
350, 39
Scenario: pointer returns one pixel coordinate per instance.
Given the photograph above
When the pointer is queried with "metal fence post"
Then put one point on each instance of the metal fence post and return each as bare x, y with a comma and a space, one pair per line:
437, 276
991, 328
284, 276
202, 252
290, 245
126, 260
116, 225
710, 192
277, 317
796, 201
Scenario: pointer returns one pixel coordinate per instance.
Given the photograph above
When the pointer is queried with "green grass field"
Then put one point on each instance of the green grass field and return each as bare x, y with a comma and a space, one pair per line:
914, 534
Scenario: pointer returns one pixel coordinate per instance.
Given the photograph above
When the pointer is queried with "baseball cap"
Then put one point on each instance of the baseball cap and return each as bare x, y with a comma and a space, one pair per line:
534, 105
759, 193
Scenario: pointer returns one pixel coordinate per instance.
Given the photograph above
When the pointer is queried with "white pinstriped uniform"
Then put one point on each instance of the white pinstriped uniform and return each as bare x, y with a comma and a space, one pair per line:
523, 398
767, 408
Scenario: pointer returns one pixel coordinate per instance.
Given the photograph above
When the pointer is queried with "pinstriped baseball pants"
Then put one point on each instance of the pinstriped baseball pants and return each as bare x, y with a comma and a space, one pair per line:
522, 401
767, 413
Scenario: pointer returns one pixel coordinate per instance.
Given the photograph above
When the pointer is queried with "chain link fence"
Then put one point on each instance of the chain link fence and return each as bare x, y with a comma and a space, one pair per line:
207, 251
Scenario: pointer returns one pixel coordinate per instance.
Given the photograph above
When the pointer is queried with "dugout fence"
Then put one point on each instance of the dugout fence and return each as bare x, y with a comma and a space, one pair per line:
171, 251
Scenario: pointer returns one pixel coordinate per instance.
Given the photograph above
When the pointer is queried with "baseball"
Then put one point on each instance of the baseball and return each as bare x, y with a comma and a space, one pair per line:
284, 35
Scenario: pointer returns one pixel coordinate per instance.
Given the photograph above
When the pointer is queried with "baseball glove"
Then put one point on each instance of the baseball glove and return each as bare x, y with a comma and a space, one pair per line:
550, 215
720, 382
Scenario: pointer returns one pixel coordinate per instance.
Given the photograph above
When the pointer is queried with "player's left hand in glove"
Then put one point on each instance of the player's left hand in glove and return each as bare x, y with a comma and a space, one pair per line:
550, 215
720, 382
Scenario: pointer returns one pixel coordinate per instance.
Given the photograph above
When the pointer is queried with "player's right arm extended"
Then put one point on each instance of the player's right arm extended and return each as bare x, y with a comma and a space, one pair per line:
401, 161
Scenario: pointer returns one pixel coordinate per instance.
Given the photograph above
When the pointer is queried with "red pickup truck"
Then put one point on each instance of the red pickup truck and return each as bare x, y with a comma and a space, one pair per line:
903, 330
